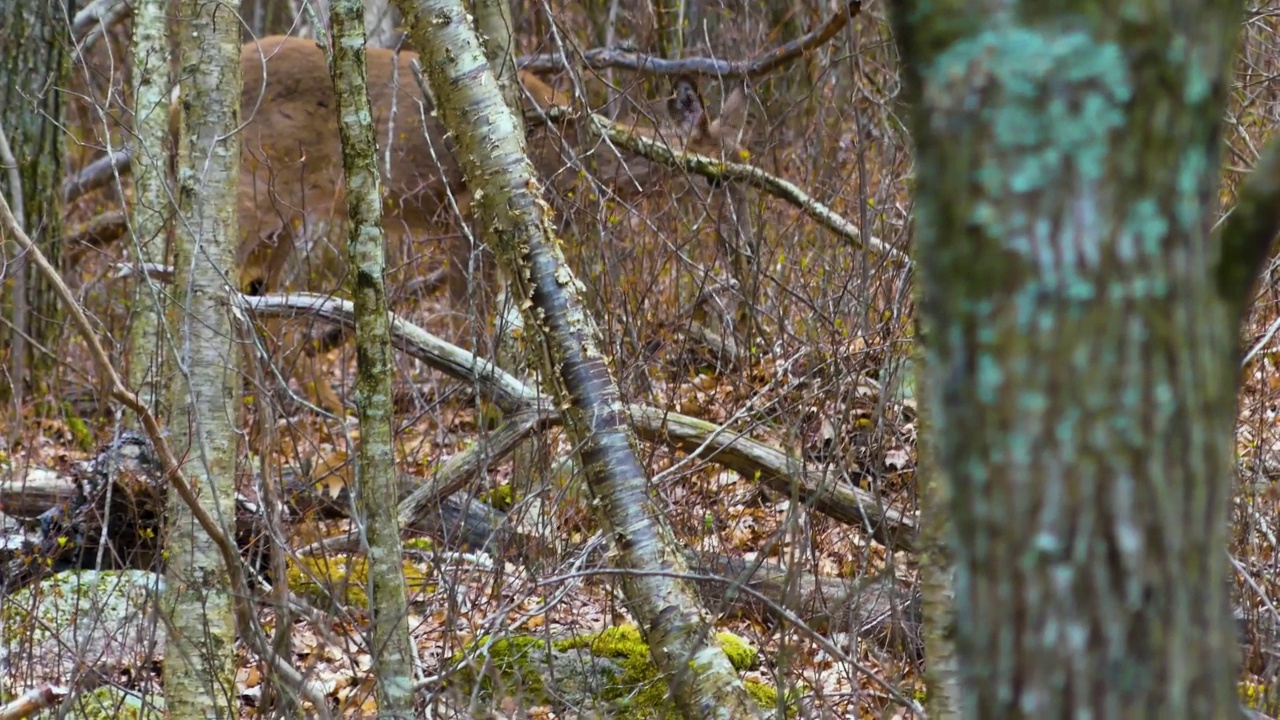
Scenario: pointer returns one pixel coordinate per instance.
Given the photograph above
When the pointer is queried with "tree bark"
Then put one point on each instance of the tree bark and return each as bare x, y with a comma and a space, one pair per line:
668, 18
35, 65
531, 461
376, 486
200, 664
1080, 351
937, 582
150, 212
677, 628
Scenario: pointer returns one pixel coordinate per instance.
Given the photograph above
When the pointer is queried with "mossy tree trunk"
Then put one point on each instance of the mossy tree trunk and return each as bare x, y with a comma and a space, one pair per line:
376, 493
669, 16
150, 85
678, 630
1080, 332
381, 21
34, 63
937, 585
199, 673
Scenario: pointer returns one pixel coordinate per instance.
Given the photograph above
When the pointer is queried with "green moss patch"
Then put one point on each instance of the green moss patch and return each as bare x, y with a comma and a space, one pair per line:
610, 672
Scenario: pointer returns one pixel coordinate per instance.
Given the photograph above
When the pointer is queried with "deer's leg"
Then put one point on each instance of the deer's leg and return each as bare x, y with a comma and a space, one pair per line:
311, 376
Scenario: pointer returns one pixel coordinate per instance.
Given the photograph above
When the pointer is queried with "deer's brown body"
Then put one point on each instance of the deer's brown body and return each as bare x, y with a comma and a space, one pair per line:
291, 191
291, 179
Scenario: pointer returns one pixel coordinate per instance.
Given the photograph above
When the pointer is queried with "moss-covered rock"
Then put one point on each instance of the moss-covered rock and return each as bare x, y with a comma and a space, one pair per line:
418, 544
500, 498
80, 615
609, 672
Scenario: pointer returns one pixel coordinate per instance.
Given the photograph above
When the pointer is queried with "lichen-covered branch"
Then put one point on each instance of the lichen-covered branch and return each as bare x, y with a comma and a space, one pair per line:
724, 171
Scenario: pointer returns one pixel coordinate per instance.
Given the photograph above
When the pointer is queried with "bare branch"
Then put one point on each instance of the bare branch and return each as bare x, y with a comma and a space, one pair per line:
762, 64
97, 173
833, 496
35, 700
97, 17
720, 171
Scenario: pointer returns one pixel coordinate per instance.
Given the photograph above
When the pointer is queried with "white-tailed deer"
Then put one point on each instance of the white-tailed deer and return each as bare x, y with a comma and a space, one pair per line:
291, 183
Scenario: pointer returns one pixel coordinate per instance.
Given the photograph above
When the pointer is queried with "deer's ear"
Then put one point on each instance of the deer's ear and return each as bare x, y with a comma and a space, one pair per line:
686, 106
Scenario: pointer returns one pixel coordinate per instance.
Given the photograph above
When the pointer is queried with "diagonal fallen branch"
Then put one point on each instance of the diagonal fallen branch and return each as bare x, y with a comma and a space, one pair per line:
722, 171
830, 495
97, 174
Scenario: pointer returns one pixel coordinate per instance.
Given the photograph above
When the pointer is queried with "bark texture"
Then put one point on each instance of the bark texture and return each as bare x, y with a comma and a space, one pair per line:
1080, 351
703, 682
150, 212
199, 666
376, 492
34, 64
668, 18
937, 582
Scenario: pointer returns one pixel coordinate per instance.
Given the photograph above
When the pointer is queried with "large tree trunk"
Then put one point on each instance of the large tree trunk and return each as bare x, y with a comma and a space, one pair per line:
1080, 348
34, 66
377, 495
199, 669
677, 628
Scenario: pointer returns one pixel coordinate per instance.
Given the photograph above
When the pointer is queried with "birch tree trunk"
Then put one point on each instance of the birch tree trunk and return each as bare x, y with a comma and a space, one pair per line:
677, 628
379, 17
377, 496
199, 673
1080, 344
150, 82
531, 461
493, 22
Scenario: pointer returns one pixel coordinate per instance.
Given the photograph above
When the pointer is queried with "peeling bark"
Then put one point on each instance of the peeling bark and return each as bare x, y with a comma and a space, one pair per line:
677, 628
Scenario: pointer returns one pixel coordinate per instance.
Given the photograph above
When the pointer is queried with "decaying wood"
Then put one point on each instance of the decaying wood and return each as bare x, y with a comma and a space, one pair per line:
106, 514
